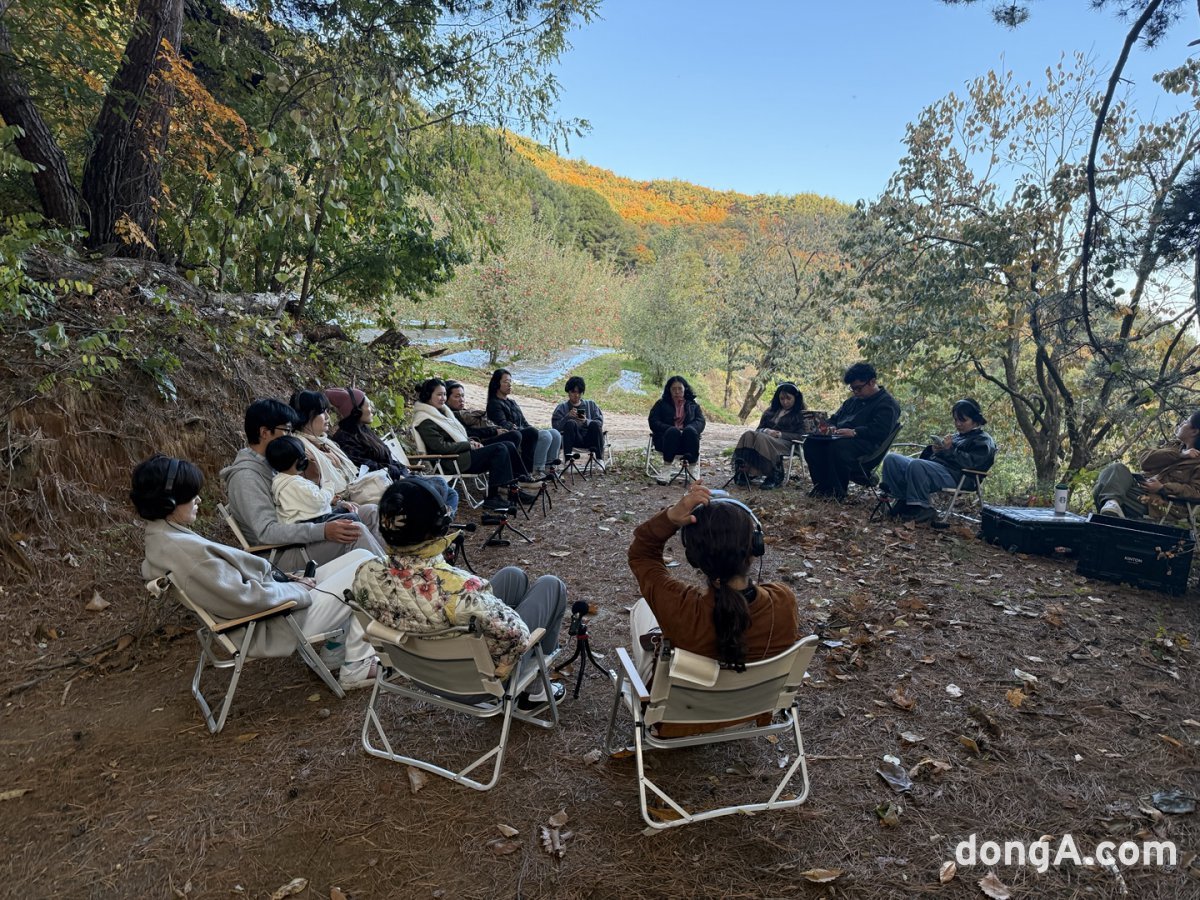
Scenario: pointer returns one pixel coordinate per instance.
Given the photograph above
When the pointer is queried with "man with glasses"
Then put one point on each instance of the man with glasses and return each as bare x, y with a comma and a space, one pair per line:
248, 485
859, 426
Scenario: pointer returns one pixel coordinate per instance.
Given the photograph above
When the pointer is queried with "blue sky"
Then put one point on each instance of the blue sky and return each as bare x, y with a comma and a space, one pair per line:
771, 96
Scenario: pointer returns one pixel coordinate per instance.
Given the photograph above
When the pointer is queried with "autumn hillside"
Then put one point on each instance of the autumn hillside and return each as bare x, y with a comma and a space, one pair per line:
653, 205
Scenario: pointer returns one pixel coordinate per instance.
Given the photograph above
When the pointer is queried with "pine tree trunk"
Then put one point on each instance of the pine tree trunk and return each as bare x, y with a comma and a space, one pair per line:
123, 175
55, 190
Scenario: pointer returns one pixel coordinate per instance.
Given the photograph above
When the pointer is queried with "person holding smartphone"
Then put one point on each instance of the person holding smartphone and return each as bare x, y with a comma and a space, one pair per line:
1171, 470
580, 422
912, 482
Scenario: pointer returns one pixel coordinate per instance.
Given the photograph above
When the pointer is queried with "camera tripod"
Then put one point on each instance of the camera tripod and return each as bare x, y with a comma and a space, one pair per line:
583, 647
496, 538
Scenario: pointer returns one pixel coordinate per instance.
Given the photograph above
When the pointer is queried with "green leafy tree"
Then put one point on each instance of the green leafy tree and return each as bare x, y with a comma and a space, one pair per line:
972, 257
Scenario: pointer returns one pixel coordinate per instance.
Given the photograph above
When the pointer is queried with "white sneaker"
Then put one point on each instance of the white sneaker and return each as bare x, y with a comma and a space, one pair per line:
359, 674
599, 464
1112, 508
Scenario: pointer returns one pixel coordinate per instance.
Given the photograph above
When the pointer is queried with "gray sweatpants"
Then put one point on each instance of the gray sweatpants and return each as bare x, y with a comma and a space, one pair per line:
1116, 482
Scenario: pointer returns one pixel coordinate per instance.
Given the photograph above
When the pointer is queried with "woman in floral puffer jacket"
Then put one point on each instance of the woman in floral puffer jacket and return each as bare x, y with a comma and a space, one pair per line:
417, 591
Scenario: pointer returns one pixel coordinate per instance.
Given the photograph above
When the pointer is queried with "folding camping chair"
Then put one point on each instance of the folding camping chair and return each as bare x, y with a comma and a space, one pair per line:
1189, 510
452, 670
863, 472
225, 644
443, 465
692, 690
682, 470
970, 485
271, 551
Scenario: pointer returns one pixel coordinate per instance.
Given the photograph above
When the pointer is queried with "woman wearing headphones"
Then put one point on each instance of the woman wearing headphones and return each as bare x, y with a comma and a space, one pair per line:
418, 592
230, 583
731, 619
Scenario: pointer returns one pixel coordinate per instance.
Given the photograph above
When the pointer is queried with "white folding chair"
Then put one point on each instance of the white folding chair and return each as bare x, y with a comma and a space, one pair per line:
446, 466
1189, 510
795, 454
970, 485
452, 670
692, 690
270, 551
225, 644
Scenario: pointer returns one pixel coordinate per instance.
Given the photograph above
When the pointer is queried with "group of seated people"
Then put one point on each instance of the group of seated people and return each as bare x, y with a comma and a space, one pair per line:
293, 485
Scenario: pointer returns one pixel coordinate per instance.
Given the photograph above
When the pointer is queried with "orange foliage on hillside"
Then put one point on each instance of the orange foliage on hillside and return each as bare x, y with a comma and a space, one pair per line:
666, 203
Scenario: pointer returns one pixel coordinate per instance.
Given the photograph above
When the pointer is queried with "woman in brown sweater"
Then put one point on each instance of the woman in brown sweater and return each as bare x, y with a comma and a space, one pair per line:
731, 619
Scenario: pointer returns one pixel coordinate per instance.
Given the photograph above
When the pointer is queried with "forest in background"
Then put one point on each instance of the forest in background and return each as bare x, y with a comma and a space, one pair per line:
316, 163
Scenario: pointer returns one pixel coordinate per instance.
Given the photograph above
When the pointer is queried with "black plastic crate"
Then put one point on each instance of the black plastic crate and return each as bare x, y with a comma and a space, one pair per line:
1156, 557
1021, 529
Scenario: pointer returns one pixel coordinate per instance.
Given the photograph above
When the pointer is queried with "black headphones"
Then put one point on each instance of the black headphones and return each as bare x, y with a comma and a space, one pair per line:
444, 517
168, 488
758, 545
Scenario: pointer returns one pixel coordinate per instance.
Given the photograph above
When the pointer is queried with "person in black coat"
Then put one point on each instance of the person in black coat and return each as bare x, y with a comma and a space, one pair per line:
676, 422
860, 426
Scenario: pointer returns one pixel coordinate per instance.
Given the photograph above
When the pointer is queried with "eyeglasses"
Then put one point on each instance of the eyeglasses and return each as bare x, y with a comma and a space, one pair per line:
855, 388
286, 429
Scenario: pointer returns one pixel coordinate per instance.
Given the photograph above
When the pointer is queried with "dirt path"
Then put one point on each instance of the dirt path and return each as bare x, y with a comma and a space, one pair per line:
625, 430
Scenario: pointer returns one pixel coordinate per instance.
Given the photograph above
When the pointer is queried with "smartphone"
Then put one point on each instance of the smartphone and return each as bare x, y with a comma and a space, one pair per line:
310, 570
1139, 477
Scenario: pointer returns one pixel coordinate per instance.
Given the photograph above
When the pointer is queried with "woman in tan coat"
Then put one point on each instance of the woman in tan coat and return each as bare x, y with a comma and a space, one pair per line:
1171, 470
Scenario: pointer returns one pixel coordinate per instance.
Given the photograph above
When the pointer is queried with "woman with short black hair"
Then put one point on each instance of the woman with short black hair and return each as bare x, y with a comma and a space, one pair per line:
231, 583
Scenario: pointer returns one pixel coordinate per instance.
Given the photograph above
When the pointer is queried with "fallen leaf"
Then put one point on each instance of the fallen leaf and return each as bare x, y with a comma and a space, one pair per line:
821, 876
954, 690
416, 779
592, 756
313, 698
507, 830
969, 744
911, 737
947, 872
559, 819
71, 560
293, 887
14, 794
559, 554
934, 767
97, 603
1172, 741
902, 700
889, 814
502, 847
1015, 697
895, 776
663, 813
994, 887
1025, 676
246, 737
336, 893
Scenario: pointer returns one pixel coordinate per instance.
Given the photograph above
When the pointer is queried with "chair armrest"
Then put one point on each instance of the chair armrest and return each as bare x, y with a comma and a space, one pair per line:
978, 473
537, 635
631, 674
261, 548
254, 617
433, 456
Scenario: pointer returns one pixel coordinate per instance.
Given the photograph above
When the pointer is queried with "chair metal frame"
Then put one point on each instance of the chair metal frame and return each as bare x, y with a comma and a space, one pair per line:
1190, 507
692, 690
452, 669
217, 636
606, 459
445, 465
683, 468
271, 551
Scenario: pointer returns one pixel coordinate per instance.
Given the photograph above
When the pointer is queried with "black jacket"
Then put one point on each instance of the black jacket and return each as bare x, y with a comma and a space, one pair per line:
506, 413
973, 450
872, 418
662, 417
791, 426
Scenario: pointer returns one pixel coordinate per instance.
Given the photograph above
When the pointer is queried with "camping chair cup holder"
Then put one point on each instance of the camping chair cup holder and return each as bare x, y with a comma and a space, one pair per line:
692, 690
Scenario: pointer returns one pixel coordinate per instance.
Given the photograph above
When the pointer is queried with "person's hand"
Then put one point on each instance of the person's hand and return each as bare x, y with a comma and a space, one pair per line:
843, 432
948, 442
342, 531
1189, 453
681, 513
1152, 486
475, 445
348, 506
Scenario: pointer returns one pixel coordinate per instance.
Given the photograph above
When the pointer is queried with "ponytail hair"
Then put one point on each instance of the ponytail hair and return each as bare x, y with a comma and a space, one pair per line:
718, 544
